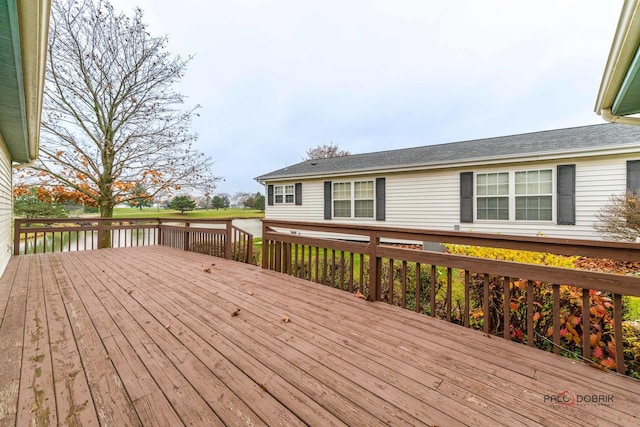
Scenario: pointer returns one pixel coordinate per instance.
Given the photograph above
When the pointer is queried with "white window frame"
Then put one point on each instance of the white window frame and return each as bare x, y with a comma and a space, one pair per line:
352, 199
512, 196
286, 193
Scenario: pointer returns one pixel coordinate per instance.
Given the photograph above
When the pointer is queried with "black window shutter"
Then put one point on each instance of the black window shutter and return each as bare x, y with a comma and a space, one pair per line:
633, 176
566, 194
298, 193
327, 200
270, 195
466, 196
380, 199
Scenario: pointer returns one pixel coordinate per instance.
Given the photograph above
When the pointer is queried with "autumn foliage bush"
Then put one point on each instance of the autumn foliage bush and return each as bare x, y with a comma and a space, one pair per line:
600, 310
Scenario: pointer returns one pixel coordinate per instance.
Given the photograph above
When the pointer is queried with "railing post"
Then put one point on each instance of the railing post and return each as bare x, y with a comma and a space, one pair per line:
227, 237
100, 230
185, 239
374, 267
265, 247
159, 227
17, 229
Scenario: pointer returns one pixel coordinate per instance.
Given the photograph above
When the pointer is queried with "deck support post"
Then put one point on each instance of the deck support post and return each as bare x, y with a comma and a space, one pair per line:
17, 230
228, 239
374, 267
185, 240
266, 246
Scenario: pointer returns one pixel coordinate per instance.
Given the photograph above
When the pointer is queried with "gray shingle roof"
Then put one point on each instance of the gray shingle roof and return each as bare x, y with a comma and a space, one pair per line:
515, 146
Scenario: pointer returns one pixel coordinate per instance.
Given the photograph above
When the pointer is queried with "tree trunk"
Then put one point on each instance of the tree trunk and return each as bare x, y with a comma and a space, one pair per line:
106, 211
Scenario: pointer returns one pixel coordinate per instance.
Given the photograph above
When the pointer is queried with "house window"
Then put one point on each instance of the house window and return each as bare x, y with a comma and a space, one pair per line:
493, 196
278, 192
534, 195
363, 199
519, 195
342, 199
284, 194
288, 193
353, 199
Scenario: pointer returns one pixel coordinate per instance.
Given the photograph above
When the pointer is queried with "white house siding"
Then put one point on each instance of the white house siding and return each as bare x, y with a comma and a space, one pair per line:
431, 199
6, 206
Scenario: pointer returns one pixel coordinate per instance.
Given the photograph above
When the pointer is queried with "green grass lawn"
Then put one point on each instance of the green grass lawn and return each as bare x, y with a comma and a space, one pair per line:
201, 213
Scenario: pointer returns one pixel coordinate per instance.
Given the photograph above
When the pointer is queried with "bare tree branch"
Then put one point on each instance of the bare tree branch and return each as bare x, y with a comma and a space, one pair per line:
619, 219
325, 151
112, 121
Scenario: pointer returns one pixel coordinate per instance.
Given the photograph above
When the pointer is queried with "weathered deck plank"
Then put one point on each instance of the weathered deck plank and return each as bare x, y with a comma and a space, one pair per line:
193, 334
110, 399
37, 402
74, 405
146, 336
12, 336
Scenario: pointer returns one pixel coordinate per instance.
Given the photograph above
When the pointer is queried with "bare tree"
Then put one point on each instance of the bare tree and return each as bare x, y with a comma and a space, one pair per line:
620, 217
112, 121
325, 151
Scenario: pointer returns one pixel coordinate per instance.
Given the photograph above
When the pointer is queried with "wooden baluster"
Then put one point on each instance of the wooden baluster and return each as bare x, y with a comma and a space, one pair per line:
556, 318
432, 290
449, 290
351, 267
467, 300
418, 286
617, 333
485, 304
530, 312
506, 307
586, 324
404, 284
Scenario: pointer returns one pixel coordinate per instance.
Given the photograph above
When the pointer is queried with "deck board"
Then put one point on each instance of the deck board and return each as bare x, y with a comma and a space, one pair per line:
146, 336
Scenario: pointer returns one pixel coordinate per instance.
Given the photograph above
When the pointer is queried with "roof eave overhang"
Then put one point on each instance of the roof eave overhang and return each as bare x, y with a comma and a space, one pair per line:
28, 32
34, 32
616, 98
484, 162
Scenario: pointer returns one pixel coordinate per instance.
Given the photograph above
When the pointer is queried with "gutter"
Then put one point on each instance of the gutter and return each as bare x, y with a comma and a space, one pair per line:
623, 50
606, 114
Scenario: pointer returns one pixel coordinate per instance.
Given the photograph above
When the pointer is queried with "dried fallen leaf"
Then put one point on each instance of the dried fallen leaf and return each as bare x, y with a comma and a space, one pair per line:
167, 326
236, 312
250, 292
264, 387
285, 318
360, 295
207, 270
129, 291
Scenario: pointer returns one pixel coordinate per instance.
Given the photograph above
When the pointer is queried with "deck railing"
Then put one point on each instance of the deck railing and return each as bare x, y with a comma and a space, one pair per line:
507, 295
217, 237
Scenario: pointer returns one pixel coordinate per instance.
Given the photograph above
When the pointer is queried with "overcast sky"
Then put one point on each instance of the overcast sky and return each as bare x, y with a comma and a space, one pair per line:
276, 77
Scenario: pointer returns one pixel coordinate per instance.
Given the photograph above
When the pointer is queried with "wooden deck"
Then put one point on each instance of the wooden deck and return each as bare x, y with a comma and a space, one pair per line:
148, 336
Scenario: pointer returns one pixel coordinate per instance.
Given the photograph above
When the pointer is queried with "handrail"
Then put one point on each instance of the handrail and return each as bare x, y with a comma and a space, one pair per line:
223, 239
504, 295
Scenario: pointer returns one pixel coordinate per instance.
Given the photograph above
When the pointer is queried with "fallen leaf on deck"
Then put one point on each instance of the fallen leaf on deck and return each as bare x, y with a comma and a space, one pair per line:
207, 270
250, 292
264, 387
235, 313
167, 326
360, 295
129, 291
285, 318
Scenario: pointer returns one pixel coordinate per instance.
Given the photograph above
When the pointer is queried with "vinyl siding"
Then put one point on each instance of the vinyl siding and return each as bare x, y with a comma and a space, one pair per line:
6, 206
431, 199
